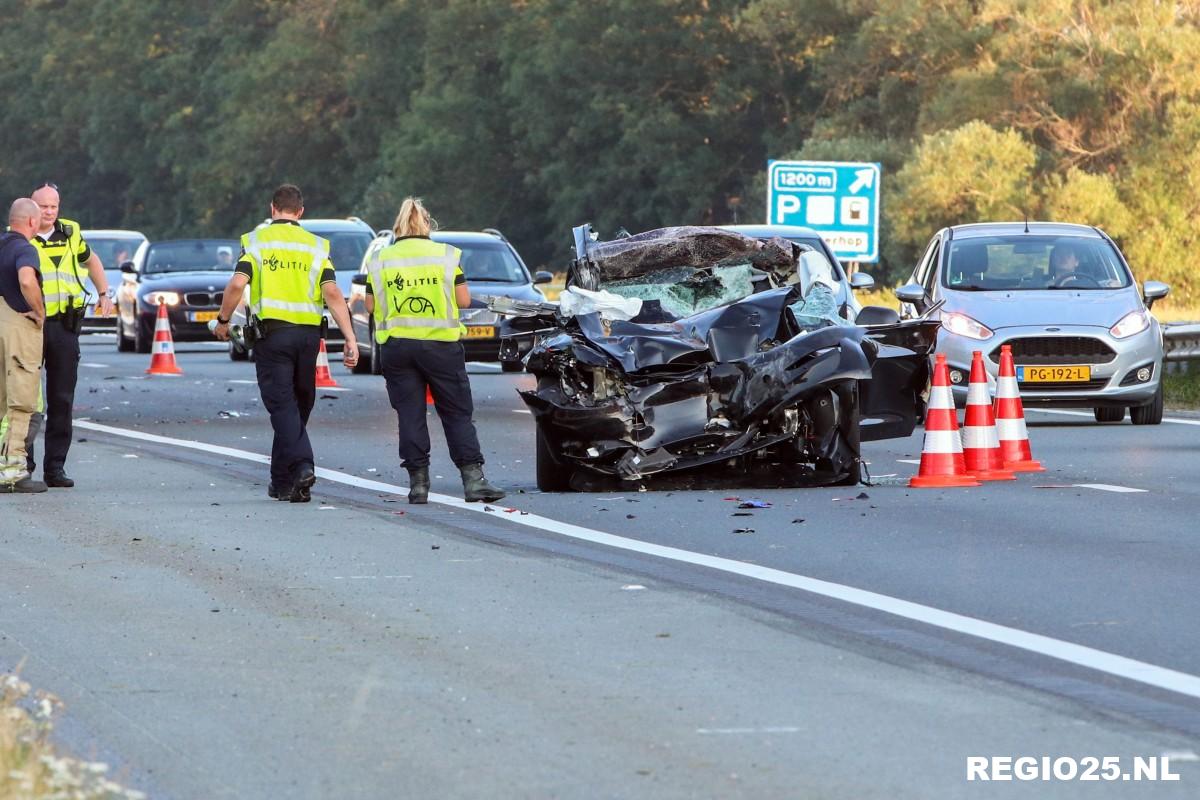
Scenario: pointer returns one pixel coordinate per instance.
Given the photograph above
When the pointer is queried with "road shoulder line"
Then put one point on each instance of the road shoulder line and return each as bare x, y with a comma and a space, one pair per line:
1090, 658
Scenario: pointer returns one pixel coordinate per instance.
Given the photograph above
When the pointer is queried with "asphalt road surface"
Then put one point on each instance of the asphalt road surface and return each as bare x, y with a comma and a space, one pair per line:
857, 642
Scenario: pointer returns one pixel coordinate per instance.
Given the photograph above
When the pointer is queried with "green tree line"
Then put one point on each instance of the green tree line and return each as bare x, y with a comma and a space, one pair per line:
532, 116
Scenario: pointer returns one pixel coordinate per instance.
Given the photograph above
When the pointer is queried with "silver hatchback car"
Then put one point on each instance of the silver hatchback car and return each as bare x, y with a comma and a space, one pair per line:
1063, 297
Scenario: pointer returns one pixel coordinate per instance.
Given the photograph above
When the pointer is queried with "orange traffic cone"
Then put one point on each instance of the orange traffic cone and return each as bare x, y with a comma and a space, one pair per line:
428, 396
1010, 419
324, 376
162, 362
942, 463
981, 444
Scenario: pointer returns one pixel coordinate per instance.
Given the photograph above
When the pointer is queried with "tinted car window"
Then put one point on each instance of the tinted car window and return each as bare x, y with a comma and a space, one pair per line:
490, 262
113, 250
201, 255
1026, 262
346, 248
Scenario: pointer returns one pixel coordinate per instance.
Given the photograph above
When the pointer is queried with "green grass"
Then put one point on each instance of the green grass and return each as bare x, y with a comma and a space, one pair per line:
1182, 390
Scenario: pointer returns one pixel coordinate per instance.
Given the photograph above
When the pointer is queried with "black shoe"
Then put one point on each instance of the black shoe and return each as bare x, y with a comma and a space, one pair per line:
306, 476
418, 485
23, 486
475, 486
58, 480
279, 493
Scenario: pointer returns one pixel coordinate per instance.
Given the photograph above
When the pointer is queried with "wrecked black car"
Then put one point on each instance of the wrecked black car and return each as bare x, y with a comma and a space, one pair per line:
707, 356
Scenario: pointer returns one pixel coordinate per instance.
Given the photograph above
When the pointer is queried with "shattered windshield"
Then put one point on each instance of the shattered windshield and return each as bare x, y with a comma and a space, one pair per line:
684, 271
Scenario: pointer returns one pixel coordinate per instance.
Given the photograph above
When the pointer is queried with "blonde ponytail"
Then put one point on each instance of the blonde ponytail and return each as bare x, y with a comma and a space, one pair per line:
413, 219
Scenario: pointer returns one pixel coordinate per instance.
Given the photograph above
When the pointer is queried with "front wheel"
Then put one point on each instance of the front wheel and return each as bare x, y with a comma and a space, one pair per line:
1151, 413
1107, 414
124, 343
143, 336
512, 366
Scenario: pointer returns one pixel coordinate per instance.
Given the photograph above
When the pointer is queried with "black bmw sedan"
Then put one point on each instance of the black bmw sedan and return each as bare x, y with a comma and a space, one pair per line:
187, 276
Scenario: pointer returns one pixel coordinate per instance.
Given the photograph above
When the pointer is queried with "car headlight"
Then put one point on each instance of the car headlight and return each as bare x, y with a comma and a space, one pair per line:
162, 298
963, 325
1131, 323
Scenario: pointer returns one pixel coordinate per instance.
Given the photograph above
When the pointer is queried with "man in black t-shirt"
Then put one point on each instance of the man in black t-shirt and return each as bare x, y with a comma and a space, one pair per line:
22, 314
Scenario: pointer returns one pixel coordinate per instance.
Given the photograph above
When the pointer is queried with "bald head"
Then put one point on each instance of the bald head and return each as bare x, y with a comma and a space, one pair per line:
24, 216
46, 198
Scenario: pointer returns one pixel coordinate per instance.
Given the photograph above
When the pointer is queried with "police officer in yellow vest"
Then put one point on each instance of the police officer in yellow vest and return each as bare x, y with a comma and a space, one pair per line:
415, 289
290, 277
63, 252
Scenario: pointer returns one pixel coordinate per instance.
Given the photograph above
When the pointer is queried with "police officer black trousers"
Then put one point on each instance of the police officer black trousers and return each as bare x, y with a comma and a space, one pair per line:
286, 363
411, 364
60, 346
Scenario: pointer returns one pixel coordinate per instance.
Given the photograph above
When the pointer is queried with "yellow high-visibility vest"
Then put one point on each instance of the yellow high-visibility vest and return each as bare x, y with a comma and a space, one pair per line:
413, 284
62, 280
287, 263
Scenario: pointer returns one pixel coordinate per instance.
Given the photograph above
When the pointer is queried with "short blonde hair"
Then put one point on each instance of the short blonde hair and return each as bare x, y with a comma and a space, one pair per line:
413, 219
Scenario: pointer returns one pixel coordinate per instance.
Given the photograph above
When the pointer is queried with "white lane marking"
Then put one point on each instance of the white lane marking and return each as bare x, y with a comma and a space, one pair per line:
334, 389
484, 365
1108, 487
908, 461
1090, 415
1090, 658
735, 731
521, 411
241, 380
93, 365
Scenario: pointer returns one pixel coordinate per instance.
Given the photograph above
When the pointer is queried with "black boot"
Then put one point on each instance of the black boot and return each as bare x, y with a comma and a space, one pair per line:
58, 479
418, 485
475, 486
302, 487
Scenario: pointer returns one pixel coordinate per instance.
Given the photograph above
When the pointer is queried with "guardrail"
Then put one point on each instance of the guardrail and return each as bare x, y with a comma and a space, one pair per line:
1181, 341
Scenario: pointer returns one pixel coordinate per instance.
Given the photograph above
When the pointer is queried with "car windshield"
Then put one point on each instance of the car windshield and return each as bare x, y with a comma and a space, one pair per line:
346, 248
208, 255
113, 250
1027, 262
490, 262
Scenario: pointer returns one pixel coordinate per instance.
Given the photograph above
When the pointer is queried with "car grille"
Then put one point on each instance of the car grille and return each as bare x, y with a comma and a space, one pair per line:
1094, 384
1050, 350
202, 298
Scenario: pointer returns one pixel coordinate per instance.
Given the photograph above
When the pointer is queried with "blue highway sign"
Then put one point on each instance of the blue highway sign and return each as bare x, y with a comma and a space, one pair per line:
838, 199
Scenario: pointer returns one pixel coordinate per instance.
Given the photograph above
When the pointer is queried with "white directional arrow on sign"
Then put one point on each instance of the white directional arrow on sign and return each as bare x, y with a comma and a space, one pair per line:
866, 179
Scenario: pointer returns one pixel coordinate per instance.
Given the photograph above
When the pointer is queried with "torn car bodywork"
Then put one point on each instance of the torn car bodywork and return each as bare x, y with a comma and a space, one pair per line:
761, 376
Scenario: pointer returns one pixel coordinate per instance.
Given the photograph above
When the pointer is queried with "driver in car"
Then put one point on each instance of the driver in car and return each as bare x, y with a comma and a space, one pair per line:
1064, 264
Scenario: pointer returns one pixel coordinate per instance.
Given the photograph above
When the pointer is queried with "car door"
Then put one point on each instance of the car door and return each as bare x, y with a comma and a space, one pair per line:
890, 401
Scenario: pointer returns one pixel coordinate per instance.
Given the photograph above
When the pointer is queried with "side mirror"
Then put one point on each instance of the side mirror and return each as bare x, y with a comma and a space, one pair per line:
542, 276
911, 293
1154, 290
360, 279
861, 280
127, 268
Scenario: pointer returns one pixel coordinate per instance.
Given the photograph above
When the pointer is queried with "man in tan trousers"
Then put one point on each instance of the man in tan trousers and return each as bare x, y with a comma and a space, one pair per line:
22, 314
